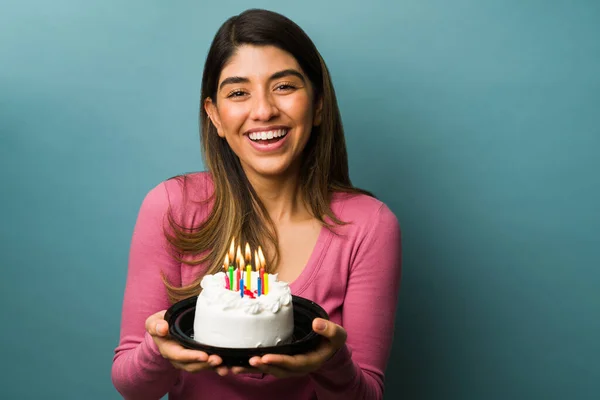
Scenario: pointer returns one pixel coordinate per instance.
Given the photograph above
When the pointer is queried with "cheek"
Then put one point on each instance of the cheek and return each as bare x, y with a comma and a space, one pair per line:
298, 108
232, 117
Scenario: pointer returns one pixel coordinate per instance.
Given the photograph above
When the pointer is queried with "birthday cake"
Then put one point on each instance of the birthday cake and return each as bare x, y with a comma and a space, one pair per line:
243, 308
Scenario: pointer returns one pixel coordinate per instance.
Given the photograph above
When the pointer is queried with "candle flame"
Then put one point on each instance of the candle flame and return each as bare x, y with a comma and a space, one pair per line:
261, 256
256, 260
232, 249
226, 262
248, 254
239, 258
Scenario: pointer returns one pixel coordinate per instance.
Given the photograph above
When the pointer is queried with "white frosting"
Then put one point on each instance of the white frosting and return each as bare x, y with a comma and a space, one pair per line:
225, 319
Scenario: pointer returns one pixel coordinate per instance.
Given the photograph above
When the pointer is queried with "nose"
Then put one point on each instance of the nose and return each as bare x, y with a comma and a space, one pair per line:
263, 107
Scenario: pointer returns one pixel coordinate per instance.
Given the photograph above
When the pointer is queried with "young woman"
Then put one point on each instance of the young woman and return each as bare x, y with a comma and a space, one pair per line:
273, 145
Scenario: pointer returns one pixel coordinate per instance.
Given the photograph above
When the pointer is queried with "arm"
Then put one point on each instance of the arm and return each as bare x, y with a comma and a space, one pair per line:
356, 371
139, 371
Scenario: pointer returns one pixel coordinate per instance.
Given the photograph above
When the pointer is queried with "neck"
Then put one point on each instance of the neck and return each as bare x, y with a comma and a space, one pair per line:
281, 196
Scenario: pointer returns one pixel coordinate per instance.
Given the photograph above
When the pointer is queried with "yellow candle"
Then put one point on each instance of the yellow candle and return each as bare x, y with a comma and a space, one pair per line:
266, 282
249, 277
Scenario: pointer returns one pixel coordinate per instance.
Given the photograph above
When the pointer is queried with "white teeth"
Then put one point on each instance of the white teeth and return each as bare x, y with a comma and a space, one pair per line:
265, 135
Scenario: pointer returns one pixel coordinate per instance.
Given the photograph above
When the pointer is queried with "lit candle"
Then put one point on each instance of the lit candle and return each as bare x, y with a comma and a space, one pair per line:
240, 263
261, 276
231, 277
232, 250
248, 254
266, 284
242, 288
238, 254
261, 257
227, 283
226, 262
263, 265
238, 276
249, 276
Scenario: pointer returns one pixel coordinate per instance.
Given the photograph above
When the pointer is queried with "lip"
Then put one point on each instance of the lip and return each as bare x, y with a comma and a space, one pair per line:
268, 147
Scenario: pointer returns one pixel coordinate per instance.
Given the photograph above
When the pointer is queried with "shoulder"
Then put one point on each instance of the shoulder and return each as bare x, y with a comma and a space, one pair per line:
179, 195
361, 209
364, 219
183, 188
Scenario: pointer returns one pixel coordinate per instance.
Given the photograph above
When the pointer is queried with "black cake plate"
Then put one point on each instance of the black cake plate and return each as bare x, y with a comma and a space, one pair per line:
180, 317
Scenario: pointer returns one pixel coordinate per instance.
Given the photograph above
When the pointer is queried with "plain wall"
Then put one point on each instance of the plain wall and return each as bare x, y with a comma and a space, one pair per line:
477, 122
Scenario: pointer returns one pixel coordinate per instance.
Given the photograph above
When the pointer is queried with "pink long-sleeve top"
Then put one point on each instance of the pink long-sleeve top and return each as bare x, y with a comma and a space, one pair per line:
353, 273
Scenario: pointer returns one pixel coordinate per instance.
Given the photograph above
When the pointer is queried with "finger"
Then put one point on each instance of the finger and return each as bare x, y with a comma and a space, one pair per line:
222, 370
330, 330
214, 360
278, 372
191, 367
153, 320
175, 352
245, 370
300, 363
162, 328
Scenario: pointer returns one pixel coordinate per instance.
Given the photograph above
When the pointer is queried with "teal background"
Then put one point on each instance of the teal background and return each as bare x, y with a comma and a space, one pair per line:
477, 122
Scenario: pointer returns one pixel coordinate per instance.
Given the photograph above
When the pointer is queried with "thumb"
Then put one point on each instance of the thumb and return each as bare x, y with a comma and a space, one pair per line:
162, 328
330, 330
156, 324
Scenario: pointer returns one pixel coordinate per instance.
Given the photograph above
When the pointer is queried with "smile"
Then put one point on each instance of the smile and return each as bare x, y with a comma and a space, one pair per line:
268, 136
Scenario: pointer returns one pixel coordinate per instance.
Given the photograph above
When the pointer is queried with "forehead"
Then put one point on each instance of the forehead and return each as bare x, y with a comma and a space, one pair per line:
258, 62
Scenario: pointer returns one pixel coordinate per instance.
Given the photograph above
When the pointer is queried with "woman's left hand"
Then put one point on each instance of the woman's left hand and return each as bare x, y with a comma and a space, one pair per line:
283, 366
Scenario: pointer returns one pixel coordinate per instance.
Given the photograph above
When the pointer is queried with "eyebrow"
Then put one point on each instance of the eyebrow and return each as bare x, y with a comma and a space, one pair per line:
277, 75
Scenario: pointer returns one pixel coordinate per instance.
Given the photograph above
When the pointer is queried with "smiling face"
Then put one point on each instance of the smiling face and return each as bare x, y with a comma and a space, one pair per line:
264, 109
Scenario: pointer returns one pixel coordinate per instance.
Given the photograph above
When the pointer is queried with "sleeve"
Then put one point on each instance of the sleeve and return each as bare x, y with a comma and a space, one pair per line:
138, 370
357, 370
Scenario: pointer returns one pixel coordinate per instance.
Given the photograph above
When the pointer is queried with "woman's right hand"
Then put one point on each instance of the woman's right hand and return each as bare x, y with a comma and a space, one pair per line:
181, 358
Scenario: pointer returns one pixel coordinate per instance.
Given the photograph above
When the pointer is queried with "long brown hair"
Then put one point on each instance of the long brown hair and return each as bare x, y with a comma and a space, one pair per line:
238, 211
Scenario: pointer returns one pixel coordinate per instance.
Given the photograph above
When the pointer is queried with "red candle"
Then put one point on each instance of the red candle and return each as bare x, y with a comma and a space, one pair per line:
237, 279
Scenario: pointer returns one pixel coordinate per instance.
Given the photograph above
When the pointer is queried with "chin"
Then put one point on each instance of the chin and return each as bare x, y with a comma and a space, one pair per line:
271, 169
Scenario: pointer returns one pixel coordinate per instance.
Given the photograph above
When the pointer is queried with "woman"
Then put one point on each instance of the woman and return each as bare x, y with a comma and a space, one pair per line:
277, 175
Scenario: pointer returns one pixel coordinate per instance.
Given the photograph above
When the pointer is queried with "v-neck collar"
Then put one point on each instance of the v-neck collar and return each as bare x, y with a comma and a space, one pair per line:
299, 285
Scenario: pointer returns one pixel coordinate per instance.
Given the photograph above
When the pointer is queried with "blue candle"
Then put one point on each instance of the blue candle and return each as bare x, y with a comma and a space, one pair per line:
259, 286
241, 288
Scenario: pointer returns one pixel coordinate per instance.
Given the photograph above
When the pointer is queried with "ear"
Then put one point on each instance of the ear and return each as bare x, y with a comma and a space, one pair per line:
213, 115
318, 112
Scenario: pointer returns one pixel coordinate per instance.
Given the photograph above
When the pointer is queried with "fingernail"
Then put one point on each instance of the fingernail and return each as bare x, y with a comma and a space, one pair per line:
158, 327
320, 325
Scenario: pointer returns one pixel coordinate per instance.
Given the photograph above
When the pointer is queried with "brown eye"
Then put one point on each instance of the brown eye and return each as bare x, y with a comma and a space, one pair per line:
236, 93
285, 87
